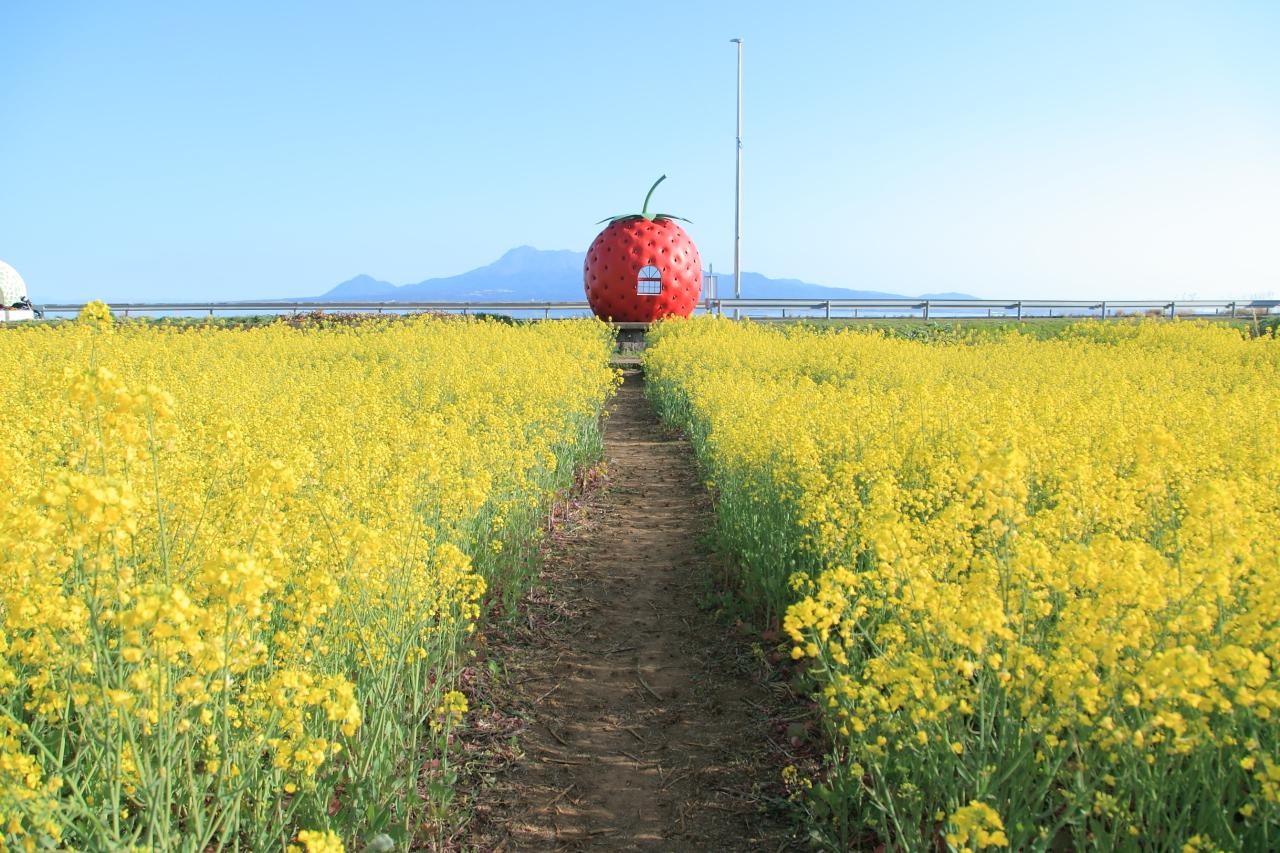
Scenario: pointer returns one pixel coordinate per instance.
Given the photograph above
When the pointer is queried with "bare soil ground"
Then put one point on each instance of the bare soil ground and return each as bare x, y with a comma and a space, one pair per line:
628, 717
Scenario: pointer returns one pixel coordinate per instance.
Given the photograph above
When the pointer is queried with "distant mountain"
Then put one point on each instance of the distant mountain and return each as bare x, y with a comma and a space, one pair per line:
363, 287
757, 286
526, 274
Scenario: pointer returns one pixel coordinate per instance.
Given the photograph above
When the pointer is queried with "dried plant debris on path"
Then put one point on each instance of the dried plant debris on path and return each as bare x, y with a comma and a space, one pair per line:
643, 725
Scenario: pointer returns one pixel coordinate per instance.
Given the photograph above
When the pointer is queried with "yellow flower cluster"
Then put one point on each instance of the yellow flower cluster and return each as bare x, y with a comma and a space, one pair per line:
454, 704
318, 842
239, 566
1038, 576
96, 313
976, 827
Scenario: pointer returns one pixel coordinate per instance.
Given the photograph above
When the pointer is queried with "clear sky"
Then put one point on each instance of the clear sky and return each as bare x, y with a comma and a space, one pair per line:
231, 149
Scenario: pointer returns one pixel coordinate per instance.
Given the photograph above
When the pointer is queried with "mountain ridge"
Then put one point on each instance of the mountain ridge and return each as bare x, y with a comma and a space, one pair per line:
526, 274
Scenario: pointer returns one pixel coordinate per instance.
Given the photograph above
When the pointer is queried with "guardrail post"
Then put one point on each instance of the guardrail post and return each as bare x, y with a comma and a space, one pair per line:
1104, 310
1171, 310
1019, 307
828, 306
1233, 310
926, 309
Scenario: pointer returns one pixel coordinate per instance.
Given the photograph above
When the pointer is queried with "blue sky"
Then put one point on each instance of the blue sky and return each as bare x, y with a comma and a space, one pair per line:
247, 149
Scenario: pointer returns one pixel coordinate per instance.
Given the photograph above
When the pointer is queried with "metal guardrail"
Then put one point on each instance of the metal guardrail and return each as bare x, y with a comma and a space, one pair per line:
829, 308
300, 307
1018, 308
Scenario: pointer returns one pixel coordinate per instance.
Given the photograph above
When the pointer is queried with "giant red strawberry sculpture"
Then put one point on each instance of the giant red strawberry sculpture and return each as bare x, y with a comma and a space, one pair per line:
642, 267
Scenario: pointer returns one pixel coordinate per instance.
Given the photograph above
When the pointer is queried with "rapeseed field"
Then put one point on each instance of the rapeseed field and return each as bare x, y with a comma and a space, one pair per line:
239, 567
1035, 584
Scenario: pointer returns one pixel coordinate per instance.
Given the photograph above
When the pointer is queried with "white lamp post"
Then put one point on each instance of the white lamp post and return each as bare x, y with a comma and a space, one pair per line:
737, 191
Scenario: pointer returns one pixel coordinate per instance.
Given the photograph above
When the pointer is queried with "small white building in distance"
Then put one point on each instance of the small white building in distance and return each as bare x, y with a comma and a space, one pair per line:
13, 290
12, 287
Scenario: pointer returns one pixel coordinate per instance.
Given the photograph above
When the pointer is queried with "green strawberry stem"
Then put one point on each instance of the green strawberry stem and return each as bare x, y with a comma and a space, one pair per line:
644, 212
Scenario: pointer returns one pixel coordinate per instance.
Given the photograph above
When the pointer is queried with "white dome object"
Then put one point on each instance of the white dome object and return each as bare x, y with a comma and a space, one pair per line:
12, 287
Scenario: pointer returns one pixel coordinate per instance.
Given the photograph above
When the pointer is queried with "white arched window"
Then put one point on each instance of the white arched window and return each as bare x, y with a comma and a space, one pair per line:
649, 281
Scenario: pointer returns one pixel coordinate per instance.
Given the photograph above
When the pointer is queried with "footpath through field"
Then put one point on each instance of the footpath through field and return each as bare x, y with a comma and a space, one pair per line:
645, 729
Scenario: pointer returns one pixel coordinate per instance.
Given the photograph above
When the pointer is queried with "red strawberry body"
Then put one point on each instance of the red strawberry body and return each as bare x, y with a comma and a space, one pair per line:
642, 268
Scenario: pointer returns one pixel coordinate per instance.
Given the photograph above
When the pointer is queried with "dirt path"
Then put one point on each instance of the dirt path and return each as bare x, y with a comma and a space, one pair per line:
644, 728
